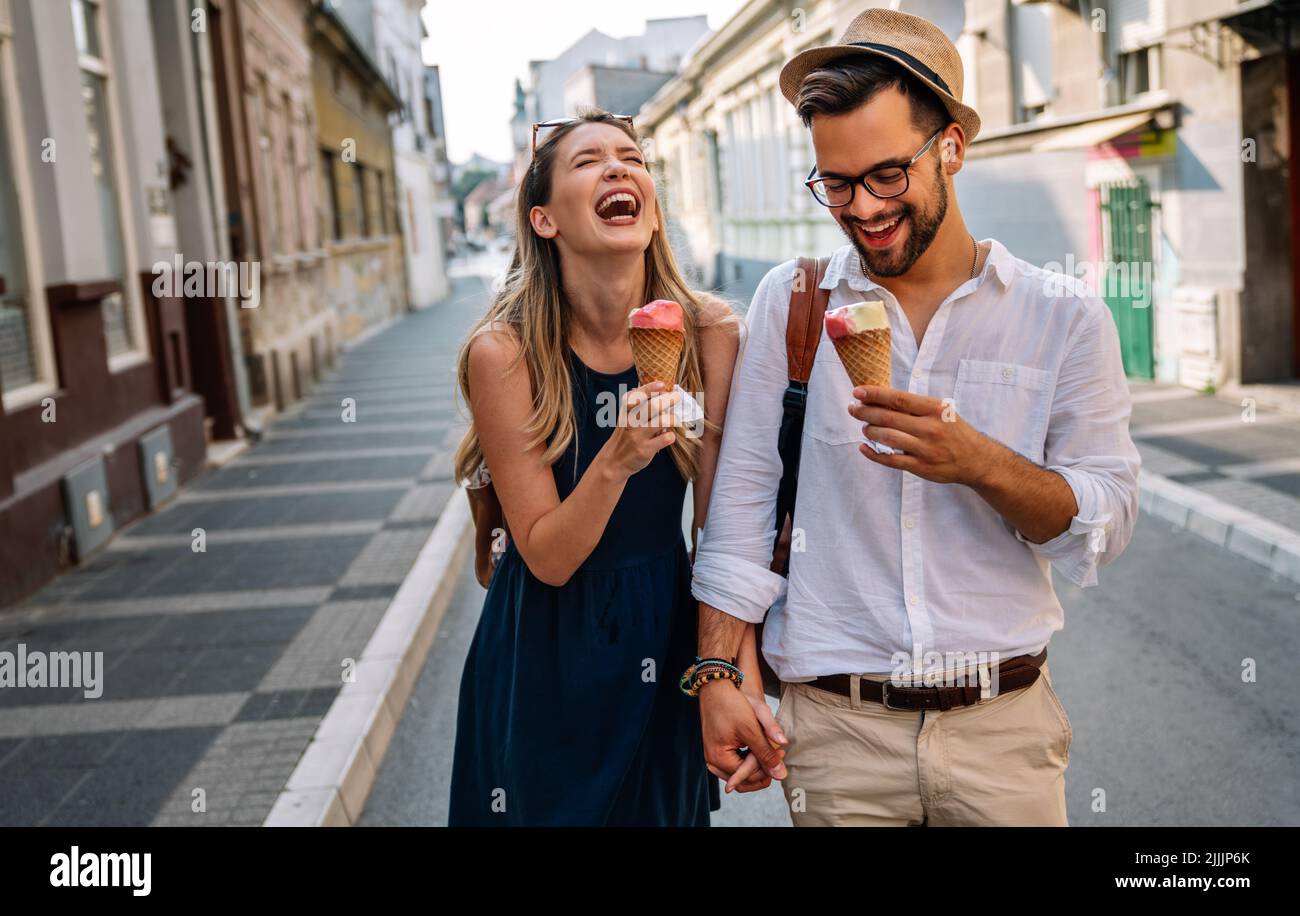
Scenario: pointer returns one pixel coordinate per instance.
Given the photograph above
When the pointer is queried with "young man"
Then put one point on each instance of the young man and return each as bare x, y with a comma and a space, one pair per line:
1010, 408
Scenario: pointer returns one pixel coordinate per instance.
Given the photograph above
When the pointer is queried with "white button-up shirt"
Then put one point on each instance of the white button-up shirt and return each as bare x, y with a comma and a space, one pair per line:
885, 565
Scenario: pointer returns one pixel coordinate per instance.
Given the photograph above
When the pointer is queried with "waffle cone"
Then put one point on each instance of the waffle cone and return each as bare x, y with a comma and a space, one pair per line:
865, 356
657, 353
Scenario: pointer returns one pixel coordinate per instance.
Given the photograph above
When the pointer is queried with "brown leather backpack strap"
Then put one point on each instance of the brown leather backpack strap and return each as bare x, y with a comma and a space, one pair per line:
804, 325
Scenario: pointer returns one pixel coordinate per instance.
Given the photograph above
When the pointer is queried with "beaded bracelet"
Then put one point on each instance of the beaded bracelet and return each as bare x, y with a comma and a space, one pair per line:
718, 675
707, 669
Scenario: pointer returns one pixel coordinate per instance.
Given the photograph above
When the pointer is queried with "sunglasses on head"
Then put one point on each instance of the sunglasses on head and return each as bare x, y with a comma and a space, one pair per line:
556, 122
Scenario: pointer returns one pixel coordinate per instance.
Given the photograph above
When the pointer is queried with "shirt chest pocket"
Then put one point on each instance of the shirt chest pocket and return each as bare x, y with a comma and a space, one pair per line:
1008, 402
827, 418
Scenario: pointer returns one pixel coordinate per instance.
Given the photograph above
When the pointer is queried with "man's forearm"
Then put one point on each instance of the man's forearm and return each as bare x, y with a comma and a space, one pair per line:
1038, 502
720, 633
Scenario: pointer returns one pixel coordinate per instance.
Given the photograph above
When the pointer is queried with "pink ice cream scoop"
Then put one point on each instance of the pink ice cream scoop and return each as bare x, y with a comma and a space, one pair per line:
836, 326
663, 314
856, 318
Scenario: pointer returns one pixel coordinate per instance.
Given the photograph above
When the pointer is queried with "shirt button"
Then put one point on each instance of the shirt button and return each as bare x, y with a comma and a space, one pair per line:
909, 522
1008, 373
911, 599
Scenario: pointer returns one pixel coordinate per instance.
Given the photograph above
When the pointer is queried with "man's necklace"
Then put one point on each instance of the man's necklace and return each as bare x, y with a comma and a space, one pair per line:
975, 259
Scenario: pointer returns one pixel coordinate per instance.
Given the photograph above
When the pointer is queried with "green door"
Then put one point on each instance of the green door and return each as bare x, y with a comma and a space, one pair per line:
1129, 270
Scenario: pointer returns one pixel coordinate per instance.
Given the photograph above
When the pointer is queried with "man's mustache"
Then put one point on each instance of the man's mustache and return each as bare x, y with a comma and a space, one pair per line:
854, 221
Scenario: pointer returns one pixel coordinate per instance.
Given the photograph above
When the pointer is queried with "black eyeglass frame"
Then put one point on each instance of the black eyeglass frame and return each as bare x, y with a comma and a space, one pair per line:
556, 122
813, 178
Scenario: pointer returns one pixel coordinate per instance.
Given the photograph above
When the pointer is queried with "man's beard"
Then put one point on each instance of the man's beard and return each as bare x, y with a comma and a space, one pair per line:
923, 226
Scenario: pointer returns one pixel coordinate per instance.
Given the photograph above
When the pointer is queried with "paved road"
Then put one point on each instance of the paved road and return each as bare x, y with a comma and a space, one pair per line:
1148, 668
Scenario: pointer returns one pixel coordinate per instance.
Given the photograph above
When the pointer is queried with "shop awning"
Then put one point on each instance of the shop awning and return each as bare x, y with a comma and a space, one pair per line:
1084, 136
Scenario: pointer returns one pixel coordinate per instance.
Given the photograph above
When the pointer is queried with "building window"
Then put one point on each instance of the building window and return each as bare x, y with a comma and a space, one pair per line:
1139, 72
413, 237
17, 357
295, 175
119, 310
25, 352
1032, 59
270, 196
361, 217
331, 196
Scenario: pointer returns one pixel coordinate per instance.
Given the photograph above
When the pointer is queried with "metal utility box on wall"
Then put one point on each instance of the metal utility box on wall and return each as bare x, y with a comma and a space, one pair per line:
157, 464
85, 494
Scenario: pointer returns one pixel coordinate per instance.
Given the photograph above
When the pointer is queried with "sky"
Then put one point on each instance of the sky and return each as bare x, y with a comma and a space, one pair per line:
481, 46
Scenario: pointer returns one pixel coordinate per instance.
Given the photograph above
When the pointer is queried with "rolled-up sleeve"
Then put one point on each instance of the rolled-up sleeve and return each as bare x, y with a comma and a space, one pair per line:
732, 561
1088, 444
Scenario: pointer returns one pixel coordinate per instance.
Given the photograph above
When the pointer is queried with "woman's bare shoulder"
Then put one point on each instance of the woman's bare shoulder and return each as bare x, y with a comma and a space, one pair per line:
494, 347
715, 310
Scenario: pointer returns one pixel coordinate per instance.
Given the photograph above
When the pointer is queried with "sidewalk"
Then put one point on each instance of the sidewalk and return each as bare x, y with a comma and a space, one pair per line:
219, 665
1228, 471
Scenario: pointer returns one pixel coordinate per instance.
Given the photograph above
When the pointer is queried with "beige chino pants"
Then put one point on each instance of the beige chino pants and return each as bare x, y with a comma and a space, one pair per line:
1000, 762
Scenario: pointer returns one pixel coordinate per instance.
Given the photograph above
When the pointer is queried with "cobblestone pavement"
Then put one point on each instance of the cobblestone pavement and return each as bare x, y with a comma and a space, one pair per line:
218, 665
1245, 456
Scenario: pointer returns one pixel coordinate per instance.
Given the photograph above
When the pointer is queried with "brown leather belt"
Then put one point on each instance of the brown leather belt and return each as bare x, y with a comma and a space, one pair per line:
1013, 674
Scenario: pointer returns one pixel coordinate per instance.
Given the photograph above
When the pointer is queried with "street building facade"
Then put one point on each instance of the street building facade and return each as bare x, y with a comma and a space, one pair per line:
390, 31
444, 202
365, 270
1144, 146
266, 121
99, 417
185, 243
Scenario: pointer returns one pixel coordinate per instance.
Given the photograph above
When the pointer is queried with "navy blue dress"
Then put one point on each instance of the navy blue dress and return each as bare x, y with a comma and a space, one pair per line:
570, 713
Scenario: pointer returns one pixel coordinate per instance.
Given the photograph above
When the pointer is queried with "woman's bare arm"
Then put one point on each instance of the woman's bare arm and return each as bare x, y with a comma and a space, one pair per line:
554, 537
719, 341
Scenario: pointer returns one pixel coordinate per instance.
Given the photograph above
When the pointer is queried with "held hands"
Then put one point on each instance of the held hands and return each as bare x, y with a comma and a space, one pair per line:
940, 446
645, 418
733, 718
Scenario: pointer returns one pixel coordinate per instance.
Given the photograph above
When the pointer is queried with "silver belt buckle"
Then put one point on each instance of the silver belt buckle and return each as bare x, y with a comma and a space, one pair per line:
884, 698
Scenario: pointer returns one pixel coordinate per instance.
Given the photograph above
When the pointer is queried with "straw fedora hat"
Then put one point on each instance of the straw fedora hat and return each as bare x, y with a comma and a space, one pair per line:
913, 43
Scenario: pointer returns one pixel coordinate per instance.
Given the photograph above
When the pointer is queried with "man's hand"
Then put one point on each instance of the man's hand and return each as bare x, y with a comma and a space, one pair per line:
751, 776
731, 720
944, 448
940, 446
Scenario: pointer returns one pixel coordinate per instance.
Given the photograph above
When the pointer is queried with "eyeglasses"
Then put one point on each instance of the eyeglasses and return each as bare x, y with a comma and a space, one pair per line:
556, 122
887, 182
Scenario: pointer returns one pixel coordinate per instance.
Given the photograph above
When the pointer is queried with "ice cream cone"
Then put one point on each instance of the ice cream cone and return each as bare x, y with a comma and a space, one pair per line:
865, 356
657, 353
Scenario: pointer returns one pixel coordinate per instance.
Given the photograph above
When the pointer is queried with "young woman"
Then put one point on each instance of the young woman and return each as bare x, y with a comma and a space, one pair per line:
570, 711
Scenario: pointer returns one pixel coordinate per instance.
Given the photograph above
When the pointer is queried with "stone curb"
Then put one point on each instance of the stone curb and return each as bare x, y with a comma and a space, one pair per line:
1243, 533
333, 778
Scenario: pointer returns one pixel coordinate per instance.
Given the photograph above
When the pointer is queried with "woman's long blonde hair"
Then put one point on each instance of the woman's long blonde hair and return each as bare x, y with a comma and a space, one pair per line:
532, 305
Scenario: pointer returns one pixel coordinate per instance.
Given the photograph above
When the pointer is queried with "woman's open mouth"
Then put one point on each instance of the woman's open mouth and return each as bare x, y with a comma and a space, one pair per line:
881, 233
618, 208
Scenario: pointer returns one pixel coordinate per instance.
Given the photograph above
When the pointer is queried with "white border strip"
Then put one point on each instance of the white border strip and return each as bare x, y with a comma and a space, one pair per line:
1243, 533
333, 778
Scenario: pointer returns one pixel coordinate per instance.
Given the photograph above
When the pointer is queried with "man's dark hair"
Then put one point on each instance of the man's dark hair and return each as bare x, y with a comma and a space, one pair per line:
846, 84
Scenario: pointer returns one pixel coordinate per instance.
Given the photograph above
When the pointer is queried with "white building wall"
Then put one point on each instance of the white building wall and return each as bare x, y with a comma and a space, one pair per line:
397, 31
1034, 203
751, 212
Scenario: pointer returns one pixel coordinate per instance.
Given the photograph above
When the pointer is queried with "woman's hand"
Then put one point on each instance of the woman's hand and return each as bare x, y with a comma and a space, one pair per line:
644, 427
751, 776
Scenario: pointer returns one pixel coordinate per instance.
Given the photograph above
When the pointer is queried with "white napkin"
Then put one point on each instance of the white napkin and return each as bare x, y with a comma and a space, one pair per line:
880, 448
687, 410
480, 478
